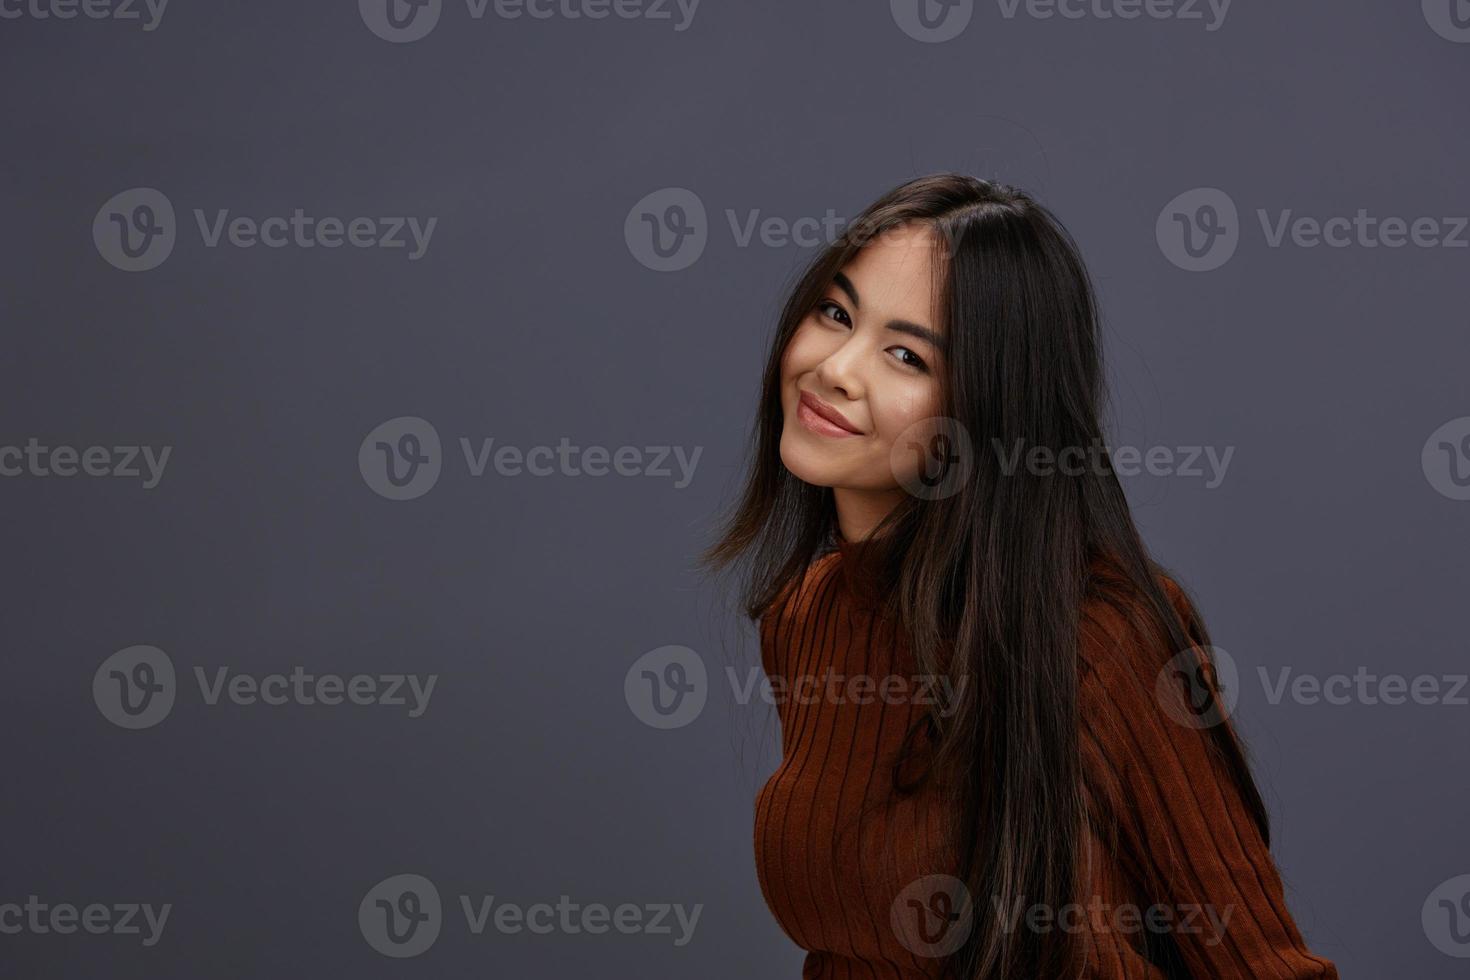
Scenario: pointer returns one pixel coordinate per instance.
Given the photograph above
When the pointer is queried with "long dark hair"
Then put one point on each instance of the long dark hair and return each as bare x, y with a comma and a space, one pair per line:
990, 581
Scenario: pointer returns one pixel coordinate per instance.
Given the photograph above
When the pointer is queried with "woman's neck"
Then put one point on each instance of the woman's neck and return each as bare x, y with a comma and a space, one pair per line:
859, 511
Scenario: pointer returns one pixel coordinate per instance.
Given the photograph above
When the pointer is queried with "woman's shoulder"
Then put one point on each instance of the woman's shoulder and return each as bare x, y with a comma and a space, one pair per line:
1146, 694
1123, 640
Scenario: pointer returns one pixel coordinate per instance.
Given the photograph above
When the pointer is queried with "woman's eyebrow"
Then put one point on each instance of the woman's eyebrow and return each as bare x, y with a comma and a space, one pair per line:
898, 326
914, 330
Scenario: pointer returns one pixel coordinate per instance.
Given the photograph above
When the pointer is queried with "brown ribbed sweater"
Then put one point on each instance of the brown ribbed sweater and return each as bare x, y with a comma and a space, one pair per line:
843, 861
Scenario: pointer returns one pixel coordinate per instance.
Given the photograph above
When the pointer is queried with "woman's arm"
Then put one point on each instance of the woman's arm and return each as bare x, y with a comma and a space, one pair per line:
1183, 823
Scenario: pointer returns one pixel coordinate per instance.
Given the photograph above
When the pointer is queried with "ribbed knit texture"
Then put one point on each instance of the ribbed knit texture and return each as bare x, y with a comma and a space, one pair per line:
836, 848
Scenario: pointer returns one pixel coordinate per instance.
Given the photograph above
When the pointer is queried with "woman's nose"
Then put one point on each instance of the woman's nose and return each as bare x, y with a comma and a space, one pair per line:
841, 370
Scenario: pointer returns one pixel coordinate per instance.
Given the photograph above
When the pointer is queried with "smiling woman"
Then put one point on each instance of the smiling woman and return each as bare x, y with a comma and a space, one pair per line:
1079, 805
857, 377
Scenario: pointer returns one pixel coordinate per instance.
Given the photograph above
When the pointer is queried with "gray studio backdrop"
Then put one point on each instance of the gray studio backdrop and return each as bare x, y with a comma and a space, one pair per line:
372, 376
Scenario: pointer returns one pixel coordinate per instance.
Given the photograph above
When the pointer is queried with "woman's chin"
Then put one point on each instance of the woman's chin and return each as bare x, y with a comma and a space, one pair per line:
807, 464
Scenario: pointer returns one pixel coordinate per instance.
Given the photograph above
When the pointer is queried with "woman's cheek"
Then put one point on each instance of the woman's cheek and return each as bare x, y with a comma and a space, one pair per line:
787, 360
903, 429
907, 406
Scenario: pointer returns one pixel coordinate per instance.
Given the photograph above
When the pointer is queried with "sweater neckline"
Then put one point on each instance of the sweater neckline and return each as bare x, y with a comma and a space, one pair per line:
860, 576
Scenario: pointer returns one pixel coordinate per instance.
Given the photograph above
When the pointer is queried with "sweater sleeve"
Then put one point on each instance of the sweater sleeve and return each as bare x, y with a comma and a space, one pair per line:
1182, 822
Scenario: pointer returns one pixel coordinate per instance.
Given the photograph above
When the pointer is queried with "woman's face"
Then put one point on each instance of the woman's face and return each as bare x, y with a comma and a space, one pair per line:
868, 357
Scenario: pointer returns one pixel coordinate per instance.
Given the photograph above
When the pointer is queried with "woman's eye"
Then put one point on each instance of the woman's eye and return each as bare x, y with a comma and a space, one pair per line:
834, 311
911, 360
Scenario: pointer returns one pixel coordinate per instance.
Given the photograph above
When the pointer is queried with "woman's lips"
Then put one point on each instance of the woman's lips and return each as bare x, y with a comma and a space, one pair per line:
822, 418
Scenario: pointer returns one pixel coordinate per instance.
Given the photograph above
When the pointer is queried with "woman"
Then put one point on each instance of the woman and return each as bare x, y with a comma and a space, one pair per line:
1004, 752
